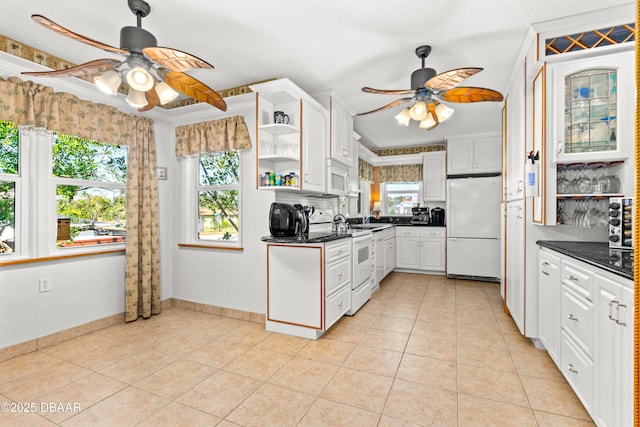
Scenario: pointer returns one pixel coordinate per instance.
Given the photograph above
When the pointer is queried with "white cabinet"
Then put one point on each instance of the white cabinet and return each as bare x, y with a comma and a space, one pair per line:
596, 334
296, 147
549, 298
519, 306
420, 248
384, 252
592, 108
614, 353
474, 155
515, 137
434, 176
340, 139
308, 286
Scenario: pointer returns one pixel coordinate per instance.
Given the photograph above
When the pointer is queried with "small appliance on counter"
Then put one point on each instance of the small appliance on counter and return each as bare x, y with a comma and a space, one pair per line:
621, 222
437, 217
420, 216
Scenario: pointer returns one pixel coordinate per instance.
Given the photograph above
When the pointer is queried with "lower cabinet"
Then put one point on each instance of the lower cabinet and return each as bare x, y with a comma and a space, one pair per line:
385, 252
308, 286
586, 325
421, 248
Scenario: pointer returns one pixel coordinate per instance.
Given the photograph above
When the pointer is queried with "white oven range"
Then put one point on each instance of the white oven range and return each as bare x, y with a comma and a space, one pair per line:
364, 268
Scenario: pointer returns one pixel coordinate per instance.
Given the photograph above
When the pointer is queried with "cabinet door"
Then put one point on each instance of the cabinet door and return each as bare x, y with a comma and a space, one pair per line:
549, 297
313, 147
514, 274
407, 252
515, 150
487, 154
626, 357
390, 255
460, 157
434, 176
346, 135
432, 254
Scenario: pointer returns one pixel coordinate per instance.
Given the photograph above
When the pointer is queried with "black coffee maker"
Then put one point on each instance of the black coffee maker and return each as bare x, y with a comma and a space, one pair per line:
437, 216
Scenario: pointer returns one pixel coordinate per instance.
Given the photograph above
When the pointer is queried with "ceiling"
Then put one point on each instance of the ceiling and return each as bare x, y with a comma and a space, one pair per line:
320, 44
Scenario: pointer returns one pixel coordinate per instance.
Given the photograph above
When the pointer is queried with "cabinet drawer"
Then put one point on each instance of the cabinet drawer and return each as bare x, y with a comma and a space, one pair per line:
433, 232
578, 369
580, 278
407, 231
335, 251
577, 318
337, 274
336, 306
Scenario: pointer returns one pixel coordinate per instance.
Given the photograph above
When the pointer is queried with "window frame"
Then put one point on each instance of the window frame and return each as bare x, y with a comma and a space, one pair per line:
384, 197
190, 206
20, 197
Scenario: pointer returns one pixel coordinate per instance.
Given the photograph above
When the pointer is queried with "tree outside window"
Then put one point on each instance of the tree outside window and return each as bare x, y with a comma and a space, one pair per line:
218, 196
9, 163
401, 197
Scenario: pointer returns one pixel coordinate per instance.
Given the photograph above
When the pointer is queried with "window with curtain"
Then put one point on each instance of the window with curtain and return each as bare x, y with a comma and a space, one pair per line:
400, 197
218, 193
90, 179
9, 183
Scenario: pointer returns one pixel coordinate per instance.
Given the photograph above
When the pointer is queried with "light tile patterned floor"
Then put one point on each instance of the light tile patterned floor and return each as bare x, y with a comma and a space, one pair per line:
425, 350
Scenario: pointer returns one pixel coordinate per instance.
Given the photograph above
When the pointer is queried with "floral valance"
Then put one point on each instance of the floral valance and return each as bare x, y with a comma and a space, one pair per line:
29, 103
365, 171
223, 135
401, 173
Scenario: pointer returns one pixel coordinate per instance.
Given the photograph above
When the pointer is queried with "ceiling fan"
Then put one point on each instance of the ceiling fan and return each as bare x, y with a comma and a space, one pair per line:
155, 75
427, 88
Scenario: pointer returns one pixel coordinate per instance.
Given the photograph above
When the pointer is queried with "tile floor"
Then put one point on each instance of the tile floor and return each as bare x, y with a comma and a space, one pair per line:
424, 350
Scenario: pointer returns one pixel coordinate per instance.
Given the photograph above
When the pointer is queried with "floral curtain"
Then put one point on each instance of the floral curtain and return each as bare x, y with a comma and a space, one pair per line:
223, 135
365, 171
29, 103
401, 173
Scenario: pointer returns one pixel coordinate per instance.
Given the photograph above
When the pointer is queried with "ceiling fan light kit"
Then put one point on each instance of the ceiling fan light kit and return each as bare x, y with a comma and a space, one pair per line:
426, 86
155, 75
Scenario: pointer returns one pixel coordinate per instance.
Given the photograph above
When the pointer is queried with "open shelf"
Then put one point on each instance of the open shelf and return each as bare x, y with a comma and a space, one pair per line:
278, 129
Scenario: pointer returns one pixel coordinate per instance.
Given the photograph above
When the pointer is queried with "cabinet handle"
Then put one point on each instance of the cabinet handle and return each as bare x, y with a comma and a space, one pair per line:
341, 304
618, 310
519, 214
571, 368
306, 177
519, 186
545, 263
559, 147
572, 317
611, 304
573, 278
545, 273
340, 275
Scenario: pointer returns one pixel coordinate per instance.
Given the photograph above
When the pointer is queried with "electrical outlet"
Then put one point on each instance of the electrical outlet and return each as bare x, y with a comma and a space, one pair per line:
45, 285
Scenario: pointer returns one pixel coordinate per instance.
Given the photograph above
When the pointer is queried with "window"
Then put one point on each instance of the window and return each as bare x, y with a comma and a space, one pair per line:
401, 197
218, 191
89, 178
9, 179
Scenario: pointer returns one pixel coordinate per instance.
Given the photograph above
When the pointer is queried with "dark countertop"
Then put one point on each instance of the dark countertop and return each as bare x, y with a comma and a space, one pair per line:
599, 254
312, 238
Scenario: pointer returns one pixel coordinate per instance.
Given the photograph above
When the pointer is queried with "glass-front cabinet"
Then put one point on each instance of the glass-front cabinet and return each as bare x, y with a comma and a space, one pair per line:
592, 102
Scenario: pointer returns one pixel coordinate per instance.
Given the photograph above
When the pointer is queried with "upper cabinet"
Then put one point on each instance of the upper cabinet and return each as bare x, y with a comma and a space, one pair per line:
474, 155
341, 148
592, 108
291, 129
434, 176
515, 137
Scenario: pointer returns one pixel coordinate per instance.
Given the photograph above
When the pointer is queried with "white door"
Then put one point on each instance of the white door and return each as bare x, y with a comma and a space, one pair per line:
313, 148
474, 207
434, 176
460, 157
432, 251
407, 252
488, 155
515, 260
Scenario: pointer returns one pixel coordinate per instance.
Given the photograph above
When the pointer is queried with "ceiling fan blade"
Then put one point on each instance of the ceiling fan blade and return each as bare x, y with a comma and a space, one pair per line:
65, 32
152, 100
194, 88
82, 70
470, 94
387, 92
174, 59
450, 79
389, 105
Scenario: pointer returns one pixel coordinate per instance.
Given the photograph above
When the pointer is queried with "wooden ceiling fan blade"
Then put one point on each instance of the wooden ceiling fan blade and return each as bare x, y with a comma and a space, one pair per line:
194, 88
389, 105
152, 100
46, 22
82, 70
174, 59
450, 79
471, 94
388, 92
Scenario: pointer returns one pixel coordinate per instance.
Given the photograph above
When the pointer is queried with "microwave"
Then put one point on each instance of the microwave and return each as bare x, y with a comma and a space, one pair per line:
338, 179
621, 222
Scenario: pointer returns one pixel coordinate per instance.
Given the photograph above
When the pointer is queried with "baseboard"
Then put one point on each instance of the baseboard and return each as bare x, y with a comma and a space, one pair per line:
219, 311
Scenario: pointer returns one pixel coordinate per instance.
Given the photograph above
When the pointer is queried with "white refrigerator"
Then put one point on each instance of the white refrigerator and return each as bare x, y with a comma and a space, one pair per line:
473, 227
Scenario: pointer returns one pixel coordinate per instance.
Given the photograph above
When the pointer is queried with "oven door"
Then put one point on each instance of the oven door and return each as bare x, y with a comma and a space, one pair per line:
361, 259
